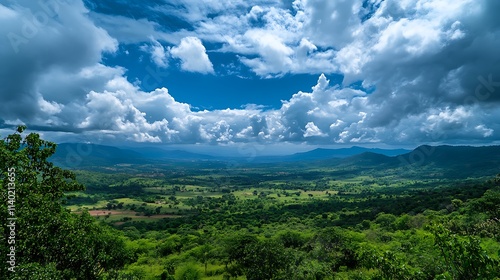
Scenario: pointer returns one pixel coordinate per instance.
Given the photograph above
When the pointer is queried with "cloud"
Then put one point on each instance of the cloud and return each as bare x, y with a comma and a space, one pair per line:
158, 53
132, 30
352, 38
332, 23
421, 55
326, 115
427, 69
312, 130
269, 39
274, 54
193, 56
195, 11
43, 37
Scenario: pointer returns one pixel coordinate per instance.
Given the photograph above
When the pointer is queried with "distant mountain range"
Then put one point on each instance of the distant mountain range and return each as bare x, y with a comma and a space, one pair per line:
320, 153
92, 154
453, 161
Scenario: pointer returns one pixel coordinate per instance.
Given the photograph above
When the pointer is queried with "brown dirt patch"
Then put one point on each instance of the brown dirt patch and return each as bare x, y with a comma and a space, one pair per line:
111, 212
97, 213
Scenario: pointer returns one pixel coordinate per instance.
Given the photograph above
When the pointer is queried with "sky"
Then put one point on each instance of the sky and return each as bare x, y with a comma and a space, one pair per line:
280, 75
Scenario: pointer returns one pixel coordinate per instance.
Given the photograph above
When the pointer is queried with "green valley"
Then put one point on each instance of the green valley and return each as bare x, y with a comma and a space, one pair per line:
367, 216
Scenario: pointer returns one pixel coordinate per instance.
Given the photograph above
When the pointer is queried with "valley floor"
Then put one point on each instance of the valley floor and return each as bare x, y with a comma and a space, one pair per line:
303, 223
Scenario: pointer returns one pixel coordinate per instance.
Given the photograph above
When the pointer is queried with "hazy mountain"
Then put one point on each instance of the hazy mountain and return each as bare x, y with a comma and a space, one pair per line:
320, 153
432, 161
80, 154
346, 152
369, 159
159, 153
74, 155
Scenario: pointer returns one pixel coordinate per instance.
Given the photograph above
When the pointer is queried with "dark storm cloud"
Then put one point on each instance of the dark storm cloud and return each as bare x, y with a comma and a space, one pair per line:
40, 37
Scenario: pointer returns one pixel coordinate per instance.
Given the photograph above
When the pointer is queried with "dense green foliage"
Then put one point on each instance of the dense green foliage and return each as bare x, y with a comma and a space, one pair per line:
50, 242
207, 221
273, 224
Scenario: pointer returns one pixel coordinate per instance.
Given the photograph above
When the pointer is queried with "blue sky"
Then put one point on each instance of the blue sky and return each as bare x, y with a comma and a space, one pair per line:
275, 74
221, 91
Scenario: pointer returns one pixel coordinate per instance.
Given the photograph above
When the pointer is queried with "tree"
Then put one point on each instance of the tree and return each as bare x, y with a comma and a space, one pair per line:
188, 272
236, 246
205, 254
464, 257
333, 245
292, 239
265, 260
49, 240
390, 266
488, 203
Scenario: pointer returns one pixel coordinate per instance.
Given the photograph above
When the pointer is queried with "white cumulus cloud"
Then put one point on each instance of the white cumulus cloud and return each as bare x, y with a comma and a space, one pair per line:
193, 56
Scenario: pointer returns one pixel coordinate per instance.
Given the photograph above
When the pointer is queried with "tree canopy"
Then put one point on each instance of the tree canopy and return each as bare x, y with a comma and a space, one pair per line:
49, 242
